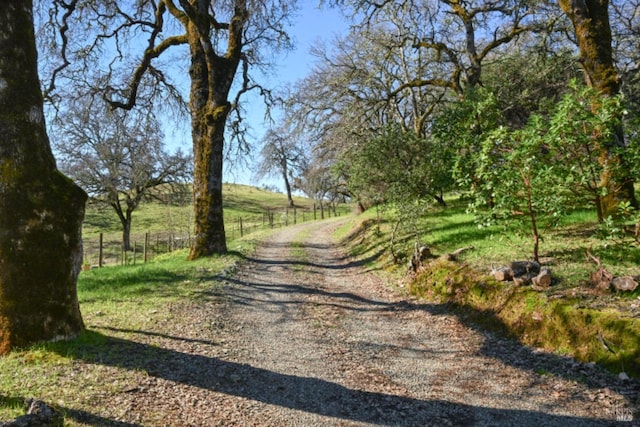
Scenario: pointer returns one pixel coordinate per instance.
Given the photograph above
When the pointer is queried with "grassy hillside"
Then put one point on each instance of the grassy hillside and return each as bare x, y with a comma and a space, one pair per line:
155, 216
168, 220
571, 317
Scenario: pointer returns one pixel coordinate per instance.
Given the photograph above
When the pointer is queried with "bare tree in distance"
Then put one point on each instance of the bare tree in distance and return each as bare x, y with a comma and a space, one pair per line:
282, 154
144, 49
41, 210
459, 35
118, 157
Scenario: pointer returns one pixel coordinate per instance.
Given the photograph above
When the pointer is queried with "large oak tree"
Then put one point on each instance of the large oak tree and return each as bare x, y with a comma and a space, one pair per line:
223, 40
283, 154
118, 157
41, 211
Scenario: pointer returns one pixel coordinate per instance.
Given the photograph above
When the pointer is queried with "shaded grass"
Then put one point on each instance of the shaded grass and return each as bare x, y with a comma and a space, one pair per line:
117, 299
562, 325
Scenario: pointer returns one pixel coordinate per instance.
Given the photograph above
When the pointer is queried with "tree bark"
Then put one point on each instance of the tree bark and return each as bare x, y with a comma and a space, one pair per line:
590, 19
41, 211
208, 144
211, 79
125, 217
287, 185
126, 231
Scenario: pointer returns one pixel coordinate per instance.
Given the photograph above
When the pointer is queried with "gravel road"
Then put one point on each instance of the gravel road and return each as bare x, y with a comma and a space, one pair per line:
302, 335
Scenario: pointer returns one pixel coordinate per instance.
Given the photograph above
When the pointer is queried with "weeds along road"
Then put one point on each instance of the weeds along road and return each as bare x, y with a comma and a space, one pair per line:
302, 335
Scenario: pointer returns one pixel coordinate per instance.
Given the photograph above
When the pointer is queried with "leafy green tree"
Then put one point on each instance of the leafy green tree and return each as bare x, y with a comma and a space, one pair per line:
529, 79
580, 132
524, 184
399, 167
462, 127
550, 166
592, 30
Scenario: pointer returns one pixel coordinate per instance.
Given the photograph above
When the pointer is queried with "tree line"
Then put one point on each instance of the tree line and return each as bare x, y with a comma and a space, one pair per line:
528, 109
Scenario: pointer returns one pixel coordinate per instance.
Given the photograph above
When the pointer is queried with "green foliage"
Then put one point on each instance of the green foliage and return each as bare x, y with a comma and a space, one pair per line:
461, 127
399, 167
614, 227
529, 80
547, 168
580, 131
403, 170
519, 182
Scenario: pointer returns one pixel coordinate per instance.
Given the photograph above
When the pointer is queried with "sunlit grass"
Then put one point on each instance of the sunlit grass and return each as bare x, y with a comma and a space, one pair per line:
564, 319
118, 298
563, 247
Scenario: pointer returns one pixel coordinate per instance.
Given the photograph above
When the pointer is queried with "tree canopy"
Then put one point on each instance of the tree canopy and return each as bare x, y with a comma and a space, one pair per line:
117, 157
135, 54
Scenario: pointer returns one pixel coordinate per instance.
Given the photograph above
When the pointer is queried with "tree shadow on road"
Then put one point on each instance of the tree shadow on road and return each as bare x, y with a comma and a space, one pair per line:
310, 395
498, 344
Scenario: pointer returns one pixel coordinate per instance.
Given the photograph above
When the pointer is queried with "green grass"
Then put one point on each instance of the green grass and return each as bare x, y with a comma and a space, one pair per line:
567, 319
246, 211
118, 299
121, 298
447, 229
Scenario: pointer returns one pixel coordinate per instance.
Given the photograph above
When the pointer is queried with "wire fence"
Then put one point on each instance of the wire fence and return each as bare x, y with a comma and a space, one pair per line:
107, 249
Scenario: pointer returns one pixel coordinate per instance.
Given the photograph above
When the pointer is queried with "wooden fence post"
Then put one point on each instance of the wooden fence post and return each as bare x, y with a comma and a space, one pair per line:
145, 248
100, 251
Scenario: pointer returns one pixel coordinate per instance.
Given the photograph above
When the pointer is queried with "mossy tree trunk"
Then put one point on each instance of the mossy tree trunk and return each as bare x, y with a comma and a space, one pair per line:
41, 211
212, 76
590, 19
125, 215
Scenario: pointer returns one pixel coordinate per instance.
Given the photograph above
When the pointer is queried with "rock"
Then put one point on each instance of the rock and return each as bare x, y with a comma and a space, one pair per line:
623, 376
624, 284
39, 415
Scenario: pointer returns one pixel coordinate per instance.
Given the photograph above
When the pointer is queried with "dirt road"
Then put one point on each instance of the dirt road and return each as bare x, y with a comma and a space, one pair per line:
301, 335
